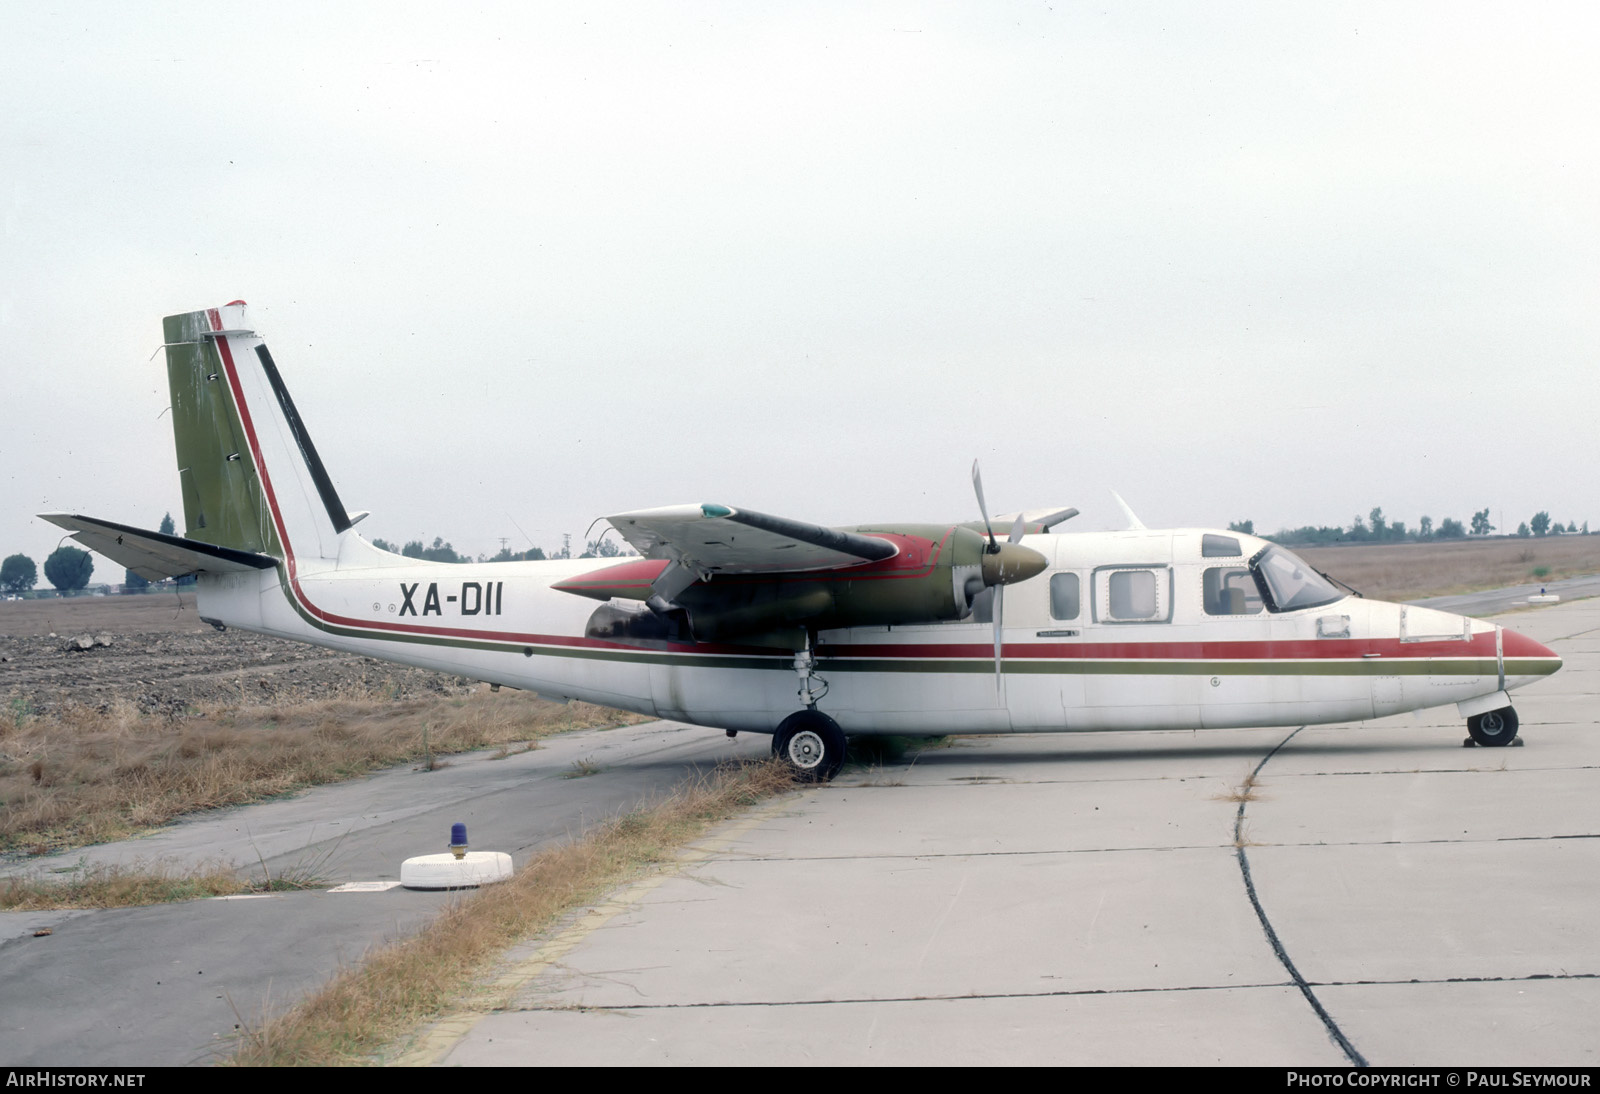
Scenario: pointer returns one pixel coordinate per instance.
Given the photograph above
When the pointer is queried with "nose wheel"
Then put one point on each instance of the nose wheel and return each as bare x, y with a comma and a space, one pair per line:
812, 744
1492, 729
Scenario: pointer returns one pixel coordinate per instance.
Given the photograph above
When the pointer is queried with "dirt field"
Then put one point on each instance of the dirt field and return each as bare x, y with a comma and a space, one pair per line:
161, 715
164, 660
1409, 571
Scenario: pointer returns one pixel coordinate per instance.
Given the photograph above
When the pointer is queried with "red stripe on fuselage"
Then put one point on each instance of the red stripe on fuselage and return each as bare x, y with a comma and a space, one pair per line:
1481, 645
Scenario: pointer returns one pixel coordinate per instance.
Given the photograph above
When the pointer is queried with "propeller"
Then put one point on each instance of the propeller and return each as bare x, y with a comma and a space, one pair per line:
977, 487
1003, 563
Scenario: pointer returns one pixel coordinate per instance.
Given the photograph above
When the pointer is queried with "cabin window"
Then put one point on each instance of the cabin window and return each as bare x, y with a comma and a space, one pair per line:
1230, 590
1064, 596
1215, 546
1133, 594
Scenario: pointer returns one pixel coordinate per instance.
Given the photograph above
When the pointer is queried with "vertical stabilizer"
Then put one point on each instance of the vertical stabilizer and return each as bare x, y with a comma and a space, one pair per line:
252, 479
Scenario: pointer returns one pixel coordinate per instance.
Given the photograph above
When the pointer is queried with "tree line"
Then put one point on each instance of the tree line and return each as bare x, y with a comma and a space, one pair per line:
441, 551
67, 568
1376, 528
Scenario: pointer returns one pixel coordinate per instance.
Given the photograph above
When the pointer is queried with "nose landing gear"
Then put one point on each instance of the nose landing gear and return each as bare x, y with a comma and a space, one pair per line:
1492, 729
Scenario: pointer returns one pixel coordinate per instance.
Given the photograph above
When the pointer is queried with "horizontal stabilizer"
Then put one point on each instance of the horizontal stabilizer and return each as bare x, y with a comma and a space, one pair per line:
156, 556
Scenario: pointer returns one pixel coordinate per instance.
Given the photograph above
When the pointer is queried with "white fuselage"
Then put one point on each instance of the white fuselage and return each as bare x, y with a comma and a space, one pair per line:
1080, 651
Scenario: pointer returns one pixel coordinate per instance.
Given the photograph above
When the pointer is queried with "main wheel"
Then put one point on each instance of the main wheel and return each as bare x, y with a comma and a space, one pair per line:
1495, 728
812, 744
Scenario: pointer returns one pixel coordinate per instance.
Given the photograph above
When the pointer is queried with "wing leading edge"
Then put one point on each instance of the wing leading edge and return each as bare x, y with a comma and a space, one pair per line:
720, 539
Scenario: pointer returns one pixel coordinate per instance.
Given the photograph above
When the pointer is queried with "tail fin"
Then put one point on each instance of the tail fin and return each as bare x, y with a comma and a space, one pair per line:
252, 480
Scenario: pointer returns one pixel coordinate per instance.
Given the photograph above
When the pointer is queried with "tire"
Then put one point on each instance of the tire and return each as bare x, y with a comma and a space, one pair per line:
1495, 728
812, 744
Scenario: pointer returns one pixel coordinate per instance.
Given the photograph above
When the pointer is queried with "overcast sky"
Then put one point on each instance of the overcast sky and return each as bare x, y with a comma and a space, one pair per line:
527, 265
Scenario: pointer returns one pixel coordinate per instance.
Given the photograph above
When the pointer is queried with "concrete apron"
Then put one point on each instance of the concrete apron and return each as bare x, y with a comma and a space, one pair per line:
1082, 900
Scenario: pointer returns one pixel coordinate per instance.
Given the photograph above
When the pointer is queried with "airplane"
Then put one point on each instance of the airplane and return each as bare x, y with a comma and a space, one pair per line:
748, 622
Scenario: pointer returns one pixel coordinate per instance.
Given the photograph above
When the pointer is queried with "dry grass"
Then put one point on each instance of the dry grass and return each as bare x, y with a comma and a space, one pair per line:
137, 885
1409, 571
1246, 791
87, 774
583, 768
122, 887
365, 1008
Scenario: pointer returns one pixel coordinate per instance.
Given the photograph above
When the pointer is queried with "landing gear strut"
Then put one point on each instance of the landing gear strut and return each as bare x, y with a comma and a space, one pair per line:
812, 744
812, 686
1493, 729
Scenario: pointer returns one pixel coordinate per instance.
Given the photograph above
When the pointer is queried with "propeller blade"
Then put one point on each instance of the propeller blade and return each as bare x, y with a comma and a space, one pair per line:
1016, 531
977, 486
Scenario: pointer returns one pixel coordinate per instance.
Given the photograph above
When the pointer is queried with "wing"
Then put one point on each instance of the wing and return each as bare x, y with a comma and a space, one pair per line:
155, 556
717, 539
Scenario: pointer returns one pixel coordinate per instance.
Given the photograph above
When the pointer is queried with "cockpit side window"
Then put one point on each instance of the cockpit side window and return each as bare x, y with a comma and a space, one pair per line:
1287, 584
1230, 590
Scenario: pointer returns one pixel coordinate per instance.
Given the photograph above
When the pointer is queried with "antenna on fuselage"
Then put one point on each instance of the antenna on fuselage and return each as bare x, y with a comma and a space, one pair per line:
1134, 523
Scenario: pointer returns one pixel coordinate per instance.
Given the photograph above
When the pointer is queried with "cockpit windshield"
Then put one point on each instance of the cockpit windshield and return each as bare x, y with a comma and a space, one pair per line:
1288, 584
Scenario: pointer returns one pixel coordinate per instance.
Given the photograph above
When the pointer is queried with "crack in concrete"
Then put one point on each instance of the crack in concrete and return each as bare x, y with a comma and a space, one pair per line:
1056, 993
914, 856
1460, 980
1334, 1032
1427, 842
1439, 771
935, 998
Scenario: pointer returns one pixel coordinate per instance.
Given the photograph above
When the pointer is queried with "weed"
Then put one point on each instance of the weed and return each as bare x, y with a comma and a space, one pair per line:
1244, 792
876, 777
304, 874
582, 768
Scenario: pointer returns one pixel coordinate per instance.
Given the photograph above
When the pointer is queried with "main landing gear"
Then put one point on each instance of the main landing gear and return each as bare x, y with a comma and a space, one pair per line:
1492, 729
812, 744
809, 741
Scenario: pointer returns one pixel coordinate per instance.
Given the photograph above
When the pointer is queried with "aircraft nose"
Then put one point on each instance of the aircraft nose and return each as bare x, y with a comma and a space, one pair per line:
1011, 563
1532, 657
